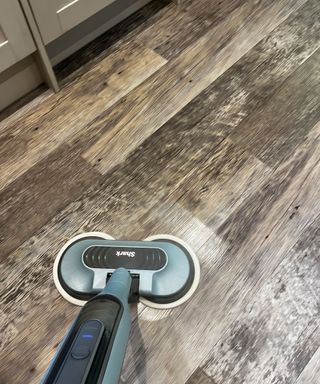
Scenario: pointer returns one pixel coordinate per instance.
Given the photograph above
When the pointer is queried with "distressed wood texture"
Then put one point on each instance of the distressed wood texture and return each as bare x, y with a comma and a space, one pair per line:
234, 265
26, 140
214, 138
32, 200
170, 34
278, 131
278, 332
154, 102
310, 374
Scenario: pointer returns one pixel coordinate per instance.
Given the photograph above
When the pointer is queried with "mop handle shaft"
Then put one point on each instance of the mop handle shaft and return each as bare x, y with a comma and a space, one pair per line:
94, 348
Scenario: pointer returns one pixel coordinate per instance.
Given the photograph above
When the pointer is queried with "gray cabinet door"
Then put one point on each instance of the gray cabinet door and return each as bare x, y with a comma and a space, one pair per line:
54, 17
15, 38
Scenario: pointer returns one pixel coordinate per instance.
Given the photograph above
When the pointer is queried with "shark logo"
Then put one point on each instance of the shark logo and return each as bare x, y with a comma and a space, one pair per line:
126, 253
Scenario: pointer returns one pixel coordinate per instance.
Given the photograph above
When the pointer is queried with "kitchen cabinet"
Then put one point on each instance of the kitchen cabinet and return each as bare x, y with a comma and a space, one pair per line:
55, 17
15, 38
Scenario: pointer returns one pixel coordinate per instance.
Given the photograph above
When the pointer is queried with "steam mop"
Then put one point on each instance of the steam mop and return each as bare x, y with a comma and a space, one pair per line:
103, 275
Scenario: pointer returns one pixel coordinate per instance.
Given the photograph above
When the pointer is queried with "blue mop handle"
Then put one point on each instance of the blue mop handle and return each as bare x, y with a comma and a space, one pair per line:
118, 286
95, 346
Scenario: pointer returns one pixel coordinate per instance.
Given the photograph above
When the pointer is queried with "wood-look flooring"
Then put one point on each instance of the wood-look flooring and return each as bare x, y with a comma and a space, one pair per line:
200, 120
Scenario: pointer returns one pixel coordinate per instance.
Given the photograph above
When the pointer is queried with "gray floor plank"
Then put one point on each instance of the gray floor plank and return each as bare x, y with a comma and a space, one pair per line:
277, 334
273, 133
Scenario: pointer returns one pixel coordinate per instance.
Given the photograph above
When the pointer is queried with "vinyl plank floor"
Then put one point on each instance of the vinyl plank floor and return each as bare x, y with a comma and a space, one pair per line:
253, 79
162, 146
63, 115
232, 271
170, 34
39, 194
302, 94
154, 102
278, 333
218, 111
118, 213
